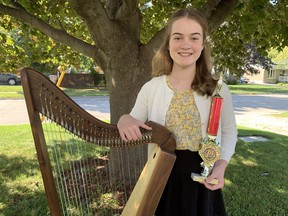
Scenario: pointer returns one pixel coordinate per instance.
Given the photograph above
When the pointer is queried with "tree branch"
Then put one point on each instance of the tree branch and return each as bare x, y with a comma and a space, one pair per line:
102, 30
17, 5
154, 43
217, 11
126, 15
59, 36
90, 10
120, 9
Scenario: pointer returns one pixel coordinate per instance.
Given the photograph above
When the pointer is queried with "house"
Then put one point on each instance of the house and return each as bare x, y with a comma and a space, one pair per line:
277, 73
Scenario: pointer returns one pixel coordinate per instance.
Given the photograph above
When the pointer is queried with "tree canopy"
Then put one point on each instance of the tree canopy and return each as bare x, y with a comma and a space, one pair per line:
121, 35
279, 57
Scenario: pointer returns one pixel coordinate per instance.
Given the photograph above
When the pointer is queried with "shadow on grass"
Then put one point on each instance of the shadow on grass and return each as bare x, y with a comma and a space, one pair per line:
21, 188
255, 183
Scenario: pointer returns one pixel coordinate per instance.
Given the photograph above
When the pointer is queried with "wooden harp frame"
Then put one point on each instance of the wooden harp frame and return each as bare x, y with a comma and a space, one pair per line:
148, 189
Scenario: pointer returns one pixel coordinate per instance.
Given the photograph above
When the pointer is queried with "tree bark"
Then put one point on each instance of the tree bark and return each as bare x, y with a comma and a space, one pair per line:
217, 11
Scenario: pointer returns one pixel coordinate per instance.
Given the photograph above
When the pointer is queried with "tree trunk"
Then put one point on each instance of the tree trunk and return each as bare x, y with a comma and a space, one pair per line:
125, 76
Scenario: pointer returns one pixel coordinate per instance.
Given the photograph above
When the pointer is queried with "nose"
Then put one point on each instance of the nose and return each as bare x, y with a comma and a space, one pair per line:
186, 45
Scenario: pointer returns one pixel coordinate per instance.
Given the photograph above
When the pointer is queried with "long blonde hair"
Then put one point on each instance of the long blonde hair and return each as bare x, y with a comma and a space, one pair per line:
162, 63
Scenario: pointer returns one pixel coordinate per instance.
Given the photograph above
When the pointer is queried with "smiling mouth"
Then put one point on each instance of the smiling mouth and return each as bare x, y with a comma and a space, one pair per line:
185, 54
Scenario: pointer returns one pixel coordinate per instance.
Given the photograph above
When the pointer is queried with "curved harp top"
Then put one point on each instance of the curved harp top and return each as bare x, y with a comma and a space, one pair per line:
50, 101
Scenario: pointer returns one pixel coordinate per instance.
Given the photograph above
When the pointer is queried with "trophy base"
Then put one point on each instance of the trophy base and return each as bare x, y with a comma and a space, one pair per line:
199, 178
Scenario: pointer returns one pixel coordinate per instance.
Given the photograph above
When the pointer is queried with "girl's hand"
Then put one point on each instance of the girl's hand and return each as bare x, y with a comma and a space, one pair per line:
217, 173
129, 128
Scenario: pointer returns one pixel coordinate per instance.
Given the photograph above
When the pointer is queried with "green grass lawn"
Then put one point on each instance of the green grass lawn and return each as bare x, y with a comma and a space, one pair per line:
21, 188
281, 115
256, 181
258, 89
247, 192
11, 92
16, 92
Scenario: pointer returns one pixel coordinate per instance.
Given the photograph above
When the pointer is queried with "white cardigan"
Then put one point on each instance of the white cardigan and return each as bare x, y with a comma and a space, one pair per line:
153, 102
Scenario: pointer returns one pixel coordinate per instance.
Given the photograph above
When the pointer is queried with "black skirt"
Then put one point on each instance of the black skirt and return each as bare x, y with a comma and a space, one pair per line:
184, 197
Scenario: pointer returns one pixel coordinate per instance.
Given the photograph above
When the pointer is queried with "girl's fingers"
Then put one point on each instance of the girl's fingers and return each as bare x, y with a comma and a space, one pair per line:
214, 186
145, 126
129, 128
122, 135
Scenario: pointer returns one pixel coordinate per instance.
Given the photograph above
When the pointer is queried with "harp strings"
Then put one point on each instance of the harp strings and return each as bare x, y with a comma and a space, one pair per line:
86, 183
65, 153
52, 147
62, 151
75, 171
55, 158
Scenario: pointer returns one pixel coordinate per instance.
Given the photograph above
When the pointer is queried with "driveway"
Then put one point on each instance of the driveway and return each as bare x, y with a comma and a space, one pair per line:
255, 111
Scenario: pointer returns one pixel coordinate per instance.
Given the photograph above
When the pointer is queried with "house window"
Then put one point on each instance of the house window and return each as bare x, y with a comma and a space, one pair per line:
271, 74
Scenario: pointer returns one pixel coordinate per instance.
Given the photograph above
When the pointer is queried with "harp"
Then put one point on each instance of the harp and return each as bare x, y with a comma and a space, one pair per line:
81, 158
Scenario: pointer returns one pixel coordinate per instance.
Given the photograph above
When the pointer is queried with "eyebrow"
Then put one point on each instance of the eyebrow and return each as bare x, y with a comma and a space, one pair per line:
192, 34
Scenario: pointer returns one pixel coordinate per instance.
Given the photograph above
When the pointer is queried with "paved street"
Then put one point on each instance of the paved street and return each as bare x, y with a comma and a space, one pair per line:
257, 111
14, 111
254, 111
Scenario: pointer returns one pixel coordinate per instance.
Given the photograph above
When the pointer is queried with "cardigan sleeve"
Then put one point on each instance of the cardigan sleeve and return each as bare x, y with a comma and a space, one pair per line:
228, 125
140, 109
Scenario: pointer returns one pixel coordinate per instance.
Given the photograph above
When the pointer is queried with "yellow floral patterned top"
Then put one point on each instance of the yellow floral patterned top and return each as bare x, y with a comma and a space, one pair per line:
183, 120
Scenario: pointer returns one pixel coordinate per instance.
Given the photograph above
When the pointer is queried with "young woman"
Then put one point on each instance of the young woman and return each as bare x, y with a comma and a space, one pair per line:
179, 96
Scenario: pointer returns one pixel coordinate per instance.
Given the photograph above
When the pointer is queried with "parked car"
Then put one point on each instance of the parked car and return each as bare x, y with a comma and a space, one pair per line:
10, 79
244, 80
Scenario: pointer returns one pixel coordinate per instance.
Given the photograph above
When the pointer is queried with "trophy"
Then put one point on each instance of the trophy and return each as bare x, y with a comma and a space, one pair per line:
210, 147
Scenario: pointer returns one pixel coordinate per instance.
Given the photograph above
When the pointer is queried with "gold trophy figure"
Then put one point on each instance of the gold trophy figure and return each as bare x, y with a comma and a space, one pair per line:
209, 153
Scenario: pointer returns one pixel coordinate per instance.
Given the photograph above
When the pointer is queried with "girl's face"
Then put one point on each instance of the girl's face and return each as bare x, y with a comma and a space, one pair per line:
186, 42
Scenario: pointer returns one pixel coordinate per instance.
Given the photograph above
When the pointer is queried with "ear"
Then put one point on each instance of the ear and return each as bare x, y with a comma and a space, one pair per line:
203, 46
205, 43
